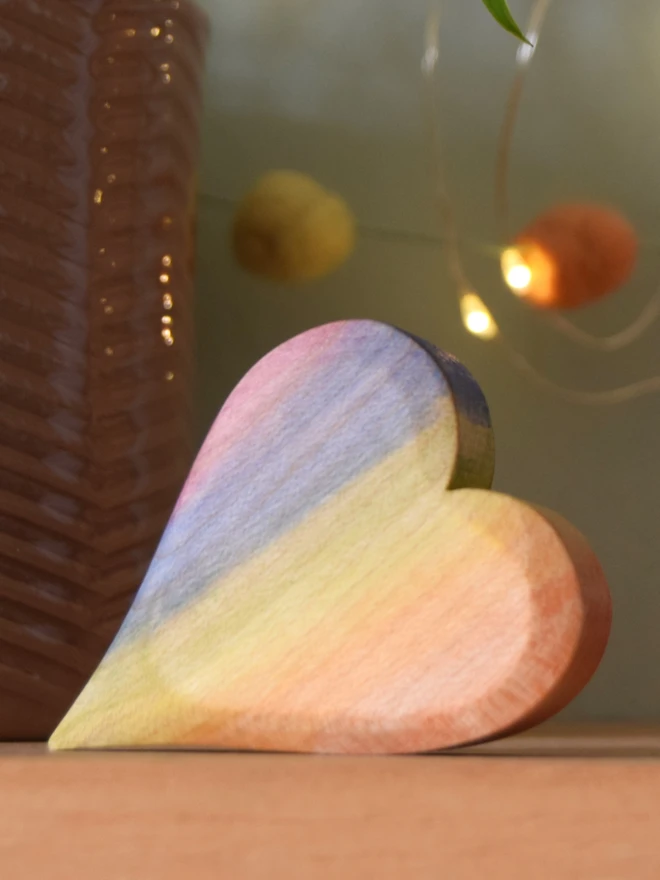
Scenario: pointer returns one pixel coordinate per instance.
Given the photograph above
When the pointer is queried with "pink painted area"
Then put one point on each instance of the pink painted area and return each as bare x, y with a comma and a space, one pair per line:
278, 375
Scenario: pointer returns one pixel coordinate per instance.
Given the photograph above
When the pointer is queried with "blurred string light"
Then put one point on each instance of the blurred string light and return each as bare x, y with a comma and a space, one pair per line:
516, 270
524, 56
517, 273
476, 317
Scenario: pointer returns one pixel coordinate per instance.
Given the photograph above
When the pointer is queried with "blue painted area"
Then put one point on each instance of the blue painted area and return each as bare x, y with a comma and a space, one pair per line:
468, 395
378, 391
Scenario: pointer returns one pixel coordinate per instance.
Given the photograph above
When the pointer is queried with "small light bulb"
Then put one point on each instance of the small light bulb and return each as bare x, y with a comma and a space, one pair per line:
519, 277
476, 317
477, 322
517, 273
430, 59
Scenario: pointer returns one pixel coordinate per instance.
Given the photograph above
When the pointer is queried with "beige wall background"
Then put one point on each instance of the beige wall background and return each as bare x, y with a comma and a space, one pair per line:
333, 88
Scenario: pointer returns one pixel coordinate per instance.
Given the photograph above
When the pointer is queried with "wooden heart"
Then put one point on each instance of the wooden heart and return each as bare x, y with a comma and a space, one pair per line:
336, 576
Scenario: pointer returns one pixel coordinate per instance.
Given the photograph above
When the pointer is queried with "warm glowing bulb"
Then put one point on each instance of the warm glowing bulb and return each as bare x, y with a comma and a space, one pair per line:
517, 273
477, 322
519, 277
476, 317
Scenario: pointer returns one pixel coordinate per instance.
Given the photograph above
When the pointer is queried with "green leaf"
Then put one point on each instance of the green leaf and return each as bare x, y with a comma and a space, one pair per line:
502, 14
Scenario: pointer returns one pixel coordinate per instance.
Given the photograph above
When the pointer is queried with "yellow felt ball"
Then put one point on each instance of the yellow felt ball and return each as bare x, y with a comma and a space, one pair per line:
288, 228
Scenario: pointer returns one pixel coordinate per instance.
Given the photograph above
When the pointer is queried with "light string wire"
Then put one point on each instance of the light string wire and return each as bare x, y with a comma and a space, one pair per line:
524, 56
368, 231
430, 69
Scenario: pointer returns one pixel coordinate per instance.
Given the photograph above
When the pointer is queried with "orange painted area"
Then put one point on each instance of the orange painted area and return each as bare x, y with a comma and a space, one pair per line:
577, 254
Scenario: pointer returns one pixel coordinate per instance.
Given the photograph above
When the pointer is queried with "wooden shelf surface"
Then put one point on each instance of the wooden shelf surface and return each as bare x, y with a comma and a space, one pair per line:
557, 804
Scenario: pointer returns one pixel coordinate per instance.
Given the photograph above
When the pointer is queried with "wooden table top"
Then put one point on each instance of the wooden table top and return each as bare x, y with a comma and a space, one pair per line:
554, 805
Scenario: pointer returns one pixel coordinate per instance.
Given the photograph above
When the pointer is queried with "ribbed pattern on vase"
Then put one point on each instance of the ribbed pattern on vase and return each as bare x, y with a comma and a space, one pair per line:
99, 118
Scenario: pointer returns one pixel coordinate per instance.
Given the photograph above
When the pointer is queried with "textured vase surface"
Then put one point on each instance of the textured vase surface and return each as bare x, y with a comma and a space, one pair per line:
99, 120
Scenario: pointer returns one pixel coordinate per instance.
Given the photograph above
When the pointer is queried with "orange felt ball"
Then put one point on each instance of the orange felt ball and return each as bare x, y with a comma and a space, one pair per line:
575, 254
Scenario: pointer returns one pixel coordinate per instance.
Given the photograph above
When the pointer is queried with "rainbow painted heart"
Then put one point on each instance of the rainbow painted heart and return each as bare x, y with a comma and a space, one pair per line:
337, 577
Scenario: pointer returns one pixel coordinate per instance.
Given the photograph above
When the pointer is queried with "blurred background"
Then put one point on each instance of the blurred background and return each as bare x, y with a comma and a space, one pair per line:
333, 88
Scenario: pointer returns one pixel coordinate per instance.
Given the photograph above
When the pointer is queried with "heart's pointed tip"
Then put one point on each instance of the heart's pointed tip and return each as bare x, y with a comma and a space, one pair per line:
95, 730
66, 737
72, 733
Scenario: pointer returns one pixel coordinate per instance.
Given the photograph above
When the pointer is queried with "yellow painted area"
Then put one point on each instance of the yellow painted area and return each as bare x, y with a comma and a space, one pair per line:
391, 540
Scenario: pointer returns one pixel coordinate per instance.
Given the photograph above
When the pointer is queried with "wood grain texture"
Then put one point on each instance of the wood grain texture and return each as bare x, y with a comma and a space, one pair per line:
262, 817
337, 577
